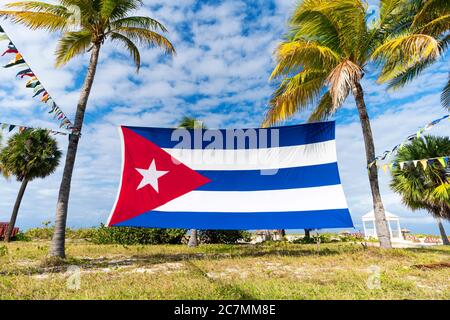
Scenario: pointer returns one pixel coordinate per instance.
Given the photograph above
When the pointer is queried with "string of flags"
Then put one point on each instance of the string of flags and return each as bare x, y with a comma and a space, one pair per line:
387, 154
11, 127
423, 162
33, 82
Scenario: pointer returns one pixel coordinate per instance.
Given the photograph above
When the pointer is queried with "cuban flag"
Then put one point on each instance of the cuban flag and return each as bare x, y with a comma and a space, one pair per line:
276, 178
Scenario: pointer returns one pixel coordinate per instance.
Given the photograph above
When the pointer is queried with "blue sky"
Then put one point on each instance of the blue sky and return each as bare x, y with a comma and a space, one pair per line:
220, 75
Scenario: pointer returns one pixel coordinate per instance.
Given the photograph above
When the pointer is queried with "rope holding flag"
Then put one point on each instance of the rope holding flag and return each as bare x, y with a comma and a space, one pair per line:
10, 127
34, 83
417, 135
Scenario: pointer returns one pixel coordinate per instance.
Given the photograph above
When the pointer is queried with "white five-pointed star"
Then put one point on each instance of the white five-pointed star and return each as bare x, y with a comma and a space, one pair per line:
150, 176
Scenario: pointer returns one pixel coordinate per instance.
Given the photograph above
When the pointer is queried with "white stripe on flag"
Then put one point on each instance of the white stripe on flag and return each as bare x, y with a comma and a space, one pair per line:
257, 159
316, 198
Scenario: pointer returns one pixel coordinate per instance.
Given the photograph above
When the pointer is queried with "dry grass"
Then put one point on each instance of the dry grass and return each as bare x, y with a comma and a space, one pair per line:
270, 271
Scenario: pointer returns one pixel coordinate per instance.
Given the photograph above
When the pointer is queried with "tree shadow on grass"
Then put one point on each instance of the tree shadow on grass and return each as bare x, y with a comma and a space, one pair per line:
140, 260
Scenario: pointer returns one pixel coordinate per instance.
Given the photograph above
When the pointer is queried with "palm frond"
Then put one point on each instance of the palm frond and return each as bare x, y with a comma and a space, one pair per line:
71, 45
335, 24
430, 10
402, 52
146, 37
445, 95
38, 6
295, 94
406, 75
293, 55
36, 20
117, 9
436, 26
133, 50
139, 22
341, 79
323, 110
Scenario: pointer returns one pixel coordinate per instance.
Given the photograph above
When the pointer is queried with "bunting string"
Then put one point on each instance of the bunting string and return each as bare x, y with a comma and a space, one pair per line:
24, 71
388, 153
12, 127
443, 161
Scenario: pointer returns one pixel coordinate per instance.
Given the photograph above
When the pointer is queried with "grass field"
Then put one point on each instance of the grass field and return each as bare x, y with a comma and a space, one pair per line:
268, 271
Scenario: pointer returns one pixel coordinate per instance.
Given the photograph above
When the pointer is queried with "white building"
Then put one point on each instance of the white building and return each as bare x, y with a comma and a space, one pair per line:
370, 230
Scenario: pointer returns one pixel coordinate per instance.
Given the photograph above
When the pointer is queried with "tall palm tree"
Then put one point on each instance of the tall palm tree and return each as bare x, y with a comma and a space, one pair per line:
191, 123
419, 38
425, 187
322, 60
85, 26
28, 155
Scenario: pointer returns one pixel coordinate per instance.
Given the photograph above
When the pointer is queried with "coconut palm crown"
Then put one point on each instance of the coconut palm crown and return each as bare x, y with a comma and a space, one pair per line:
86, 23
322, 60
425, 187
420, 37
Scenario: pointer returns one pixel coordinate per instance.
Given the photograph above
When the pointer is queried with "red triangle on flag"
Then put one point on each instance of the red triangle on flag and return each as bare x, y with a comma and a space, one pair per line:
151, 177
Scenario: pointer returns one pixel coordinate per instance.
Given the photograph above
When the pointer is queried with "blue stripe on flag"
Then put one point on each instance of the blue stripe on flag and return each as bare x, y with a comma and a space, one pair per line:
286, 178
336, 218
288, 136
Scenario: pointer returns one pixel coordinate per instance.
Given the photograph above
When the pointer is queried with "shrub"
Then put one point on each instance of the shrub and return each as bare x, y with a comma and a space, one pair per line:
223, 236
129, 236
20, 236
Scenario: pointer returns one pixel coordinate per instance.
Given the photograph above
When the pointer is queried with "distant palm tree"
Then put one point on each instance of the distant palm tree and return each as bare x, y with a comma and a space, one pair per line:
322, 60
425, 188
28, 155
85, 26
3, 172
192, 123
420, 37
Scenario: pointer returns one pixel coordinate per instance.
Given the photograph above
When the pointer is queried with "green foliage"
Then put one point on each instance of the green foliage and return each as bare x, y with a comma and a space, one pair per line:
130, 236
31, 154
191, 123
223, 236
21, 236
46, 233
3, 251
422, 188
88, 23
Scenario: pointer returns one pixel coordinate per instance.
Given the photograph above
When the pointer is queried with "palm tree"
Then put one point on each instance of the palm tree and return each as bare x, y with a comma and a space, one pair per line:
424, 187
28, 155
418, 39
321, 61
85, 26
191, 123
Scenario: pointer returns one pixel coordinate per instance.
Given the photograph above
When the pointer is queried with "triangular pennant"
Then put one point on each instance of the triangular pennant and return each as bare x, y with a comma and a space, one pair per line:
424, 163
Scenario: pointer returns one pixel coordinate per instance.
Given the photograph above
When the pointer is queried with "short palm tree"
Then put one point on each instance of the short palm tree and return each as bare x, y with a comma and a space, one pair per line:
28, 155
191, 123
425, 188
419, 38
322, 60
85, 26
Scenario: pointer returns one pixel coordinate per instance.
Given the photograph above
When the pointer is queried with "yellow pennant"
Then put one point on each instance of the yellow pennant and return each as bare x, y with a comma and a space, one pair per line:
424, 163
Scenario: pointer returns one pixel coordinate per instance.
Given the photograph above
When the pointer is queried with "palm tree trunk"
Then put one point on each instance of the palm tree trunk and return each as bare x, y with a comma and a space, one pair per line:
444, 237
380, 217
193, 241
307, 233
59, 236
12, 221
